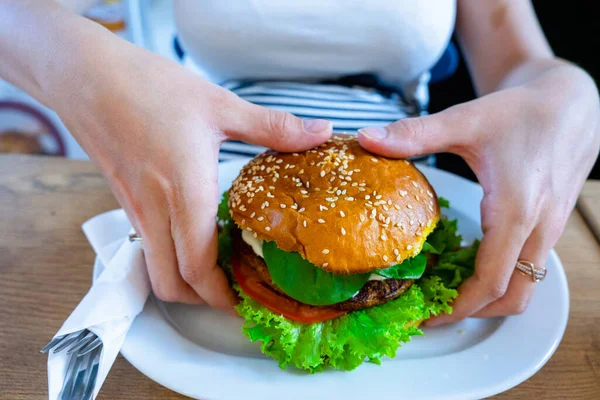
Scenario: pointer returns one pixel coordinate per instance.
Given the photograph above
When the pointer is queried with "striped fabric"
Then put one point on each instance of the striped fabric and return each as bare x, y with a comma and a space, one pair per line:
348, 108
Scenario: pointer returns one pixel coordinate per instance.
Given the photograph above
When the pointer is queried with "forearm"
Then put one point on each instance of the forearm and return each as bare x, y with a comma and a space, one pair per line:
50, 52
502, 42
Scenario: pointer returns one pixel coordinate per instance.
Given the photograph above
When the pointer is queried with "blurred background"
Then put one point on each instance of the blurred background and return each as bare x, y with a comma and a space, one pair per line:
28, 127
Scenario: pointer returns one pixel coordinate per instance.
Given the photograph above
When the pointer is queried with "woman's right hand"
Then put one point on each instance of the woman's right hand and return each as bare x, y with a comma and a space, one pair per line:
154, 129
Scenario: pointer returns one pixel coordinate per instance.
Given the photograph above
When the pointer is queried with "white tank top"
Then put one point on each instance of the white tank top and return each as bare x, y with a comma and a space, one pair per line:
397, 40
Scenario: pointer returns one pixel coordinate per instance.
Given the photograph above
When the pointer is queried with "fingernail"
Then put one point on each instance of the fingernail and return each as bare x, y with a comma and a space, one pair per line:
316, 126
376, 133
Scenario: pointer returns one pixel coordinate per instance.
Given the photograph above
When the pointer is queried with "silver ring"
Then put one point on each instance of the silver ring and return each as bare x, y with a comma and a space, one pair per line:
529, 269
134, 237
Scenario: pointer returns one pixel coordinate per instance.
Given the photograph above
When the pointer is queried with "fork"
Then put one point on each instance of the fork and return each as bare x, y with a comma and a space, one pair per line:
84, 349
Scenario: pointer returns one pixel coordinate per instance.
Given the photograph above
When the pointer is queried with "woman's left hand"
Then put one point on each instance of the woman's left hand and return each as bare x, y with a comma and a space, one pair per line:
531, 147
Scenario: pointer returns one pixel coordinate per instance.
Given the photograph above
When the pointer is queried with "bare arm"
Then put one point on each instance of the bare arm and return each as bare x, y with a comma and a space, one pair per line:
48, 51
503, 43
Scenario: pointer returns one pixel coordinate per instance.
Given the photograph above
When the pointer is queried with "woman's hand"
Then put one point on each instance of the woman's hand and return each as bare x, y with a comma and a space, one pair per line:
154, 129
532, 147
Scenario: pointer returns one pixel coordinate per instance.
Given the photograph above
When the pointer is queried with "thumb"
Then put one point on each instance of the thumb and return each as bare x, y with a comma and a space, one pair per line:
446, 131
275, 129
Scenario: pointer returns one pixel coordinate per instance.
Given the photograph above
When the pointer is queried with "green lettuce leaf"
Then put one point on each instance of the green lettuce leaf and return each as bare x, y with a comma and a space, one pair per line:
225, 244
444, 203
307, 283
453, 267
411, 268
345, 342
444, 237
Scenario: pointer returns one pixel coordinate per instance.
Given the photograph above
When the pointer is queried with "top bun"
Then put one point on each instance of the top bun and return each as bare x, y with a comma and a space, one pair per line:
339, 206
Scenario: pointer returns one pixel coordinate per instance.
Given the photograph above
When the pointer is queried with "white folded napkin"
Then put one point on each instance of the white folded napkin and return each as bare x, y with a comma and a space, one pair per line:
116, 297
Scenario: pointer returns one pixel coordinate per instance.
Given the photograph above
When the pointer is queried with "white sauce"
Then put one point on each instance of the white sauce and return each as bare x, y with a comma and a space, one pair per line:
253, 242
375, 277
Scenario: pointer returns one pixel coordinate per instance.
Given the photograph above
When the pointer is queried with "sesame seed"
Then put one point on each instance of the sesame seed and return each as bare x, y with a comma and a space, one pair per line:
357, 170
343, 231
385, 258
270, 195
325, 251
321, 221
298, 184
322, 174
383, 237
354, 184
249, 229
304, 223
295, 154
326, 264
303, 191
378, 196
242, 208
295, 206
417, 197
396, 252
396, 206
342, 214
406, 162
338, 192
409, 206
268, 228
429, 193
430, 208
398, 258
260, 218
343, 183
367, 197
301, 172
374, 159
362, 184
329, 199
387, 220
332, 205
403, 193
252, 215
332, 179
255, 235
243, 221
385, 207
361, 189
362, 218
321, 208
282, 205
349, 198
302, 209
409, 247
415, 184
272, 187
279, 161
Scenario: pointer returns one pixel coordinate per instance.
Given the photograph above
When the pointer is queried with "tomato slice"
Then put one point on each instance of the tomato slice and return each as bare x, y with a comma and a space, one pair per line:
252, 284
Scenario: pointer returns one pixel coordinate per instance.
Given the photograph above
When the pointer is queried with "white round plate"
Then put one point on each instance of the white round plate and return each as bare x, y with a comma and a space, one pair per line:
202, 353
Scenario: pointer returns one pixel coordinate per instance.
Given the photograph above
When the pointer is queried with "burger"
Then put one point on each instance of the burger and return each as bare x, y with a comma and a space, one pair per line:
337, 254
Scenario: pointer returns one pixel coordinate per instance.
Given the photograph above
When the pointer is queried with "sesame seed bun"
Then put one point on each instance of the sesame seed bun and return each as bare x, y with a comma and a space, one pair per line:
339, 206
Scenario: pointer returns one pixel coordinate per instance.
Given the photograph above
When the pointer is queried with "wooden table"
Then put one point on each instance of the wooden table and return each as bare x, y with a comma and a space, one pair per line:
45, 269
